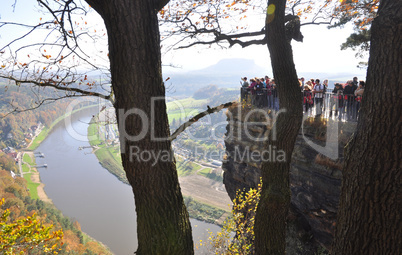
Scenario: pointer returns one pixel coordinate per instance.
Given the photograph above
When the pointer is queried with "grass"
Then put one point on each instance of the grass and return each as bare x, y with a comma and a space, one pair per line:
42, 135
93, 135
203, 212
27, 159
111, 163
32, 186
185, 103
25, 168
210, 175
108, 156
182, 114
185, 167
182, 109
205, 171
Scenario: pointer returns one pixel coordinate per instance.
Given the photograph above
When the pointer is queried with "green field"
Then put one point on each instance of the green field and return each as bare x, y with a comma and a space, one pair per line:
179, 115
211, 175
35, 143
185, 167
27, 159
108, 156
204, 212
25, 168
185, 103
33, 187
184, 108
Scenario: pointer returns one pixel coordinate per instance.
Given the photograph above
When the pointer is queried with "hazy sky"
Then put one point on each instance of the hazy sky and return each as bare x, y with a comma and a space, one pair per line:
320, 51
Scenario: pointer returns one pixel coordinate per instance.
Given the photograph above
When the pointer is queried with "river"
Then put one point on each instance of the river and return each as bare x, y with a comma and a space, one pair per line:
83, 190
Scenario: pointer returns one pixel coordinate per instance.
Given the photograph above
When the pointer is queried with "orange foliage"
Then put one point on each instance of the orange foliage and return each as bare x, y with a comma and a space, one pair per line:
14, 192
77, 225
195, 16
72, 242
361, 12
95, 247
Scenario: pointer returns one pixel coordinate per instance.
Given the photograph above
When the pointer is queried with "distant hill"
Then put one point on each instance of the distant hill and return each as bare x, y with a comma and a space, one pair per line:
236, 67
227, 73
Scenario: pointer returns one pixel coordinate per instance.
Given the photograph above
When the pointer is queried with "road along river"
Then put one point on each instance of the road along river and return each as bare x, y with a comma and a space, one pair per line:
83, 190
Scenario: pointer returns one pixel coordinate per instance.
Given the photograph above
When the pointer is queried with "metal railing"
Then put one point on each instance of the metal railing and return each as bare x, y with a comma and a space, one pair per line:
343, 107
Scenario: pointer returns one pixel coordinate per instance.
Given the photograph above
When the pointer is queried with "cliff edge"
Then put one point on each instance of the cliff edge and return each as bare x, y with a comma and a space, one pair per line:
315, 179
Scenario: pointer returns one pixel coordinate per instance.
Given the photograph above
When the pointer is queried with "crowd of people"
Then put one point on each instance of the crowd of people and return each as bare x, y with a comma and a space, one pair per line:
343, 101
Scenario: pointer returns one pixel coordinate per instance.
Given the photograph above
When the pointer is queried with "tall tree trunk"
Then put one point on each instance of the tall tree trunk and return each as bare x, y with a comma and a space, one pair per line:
163, 225
369, 216
272, 211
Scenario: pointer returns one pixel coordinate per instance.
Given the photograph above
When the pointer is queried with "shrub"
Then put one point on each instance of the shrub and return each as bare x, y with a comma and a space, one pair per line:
240, 226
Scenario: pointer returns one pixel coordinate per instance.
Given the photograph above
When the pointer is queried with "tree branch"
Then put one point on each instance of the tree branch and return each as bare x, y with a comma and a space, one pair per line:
197, 117
56, 86
231, 39
39, 104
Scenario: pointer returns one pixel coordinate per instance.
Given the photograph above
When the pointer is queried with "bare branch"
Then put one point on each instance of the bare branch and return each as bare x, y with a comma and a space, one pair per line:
39, 104
199, 116
317, 23
58, 87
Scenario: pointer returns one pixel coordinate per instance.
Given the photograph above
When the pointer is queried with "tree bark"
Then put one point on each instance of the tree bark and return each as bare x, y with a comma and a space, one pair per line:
273, 208
369, 216
163, 225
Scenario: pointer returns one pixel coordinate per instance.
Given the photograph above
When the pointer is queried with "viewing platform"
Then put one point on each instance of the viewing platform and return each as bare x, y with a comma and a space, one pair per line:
339, 106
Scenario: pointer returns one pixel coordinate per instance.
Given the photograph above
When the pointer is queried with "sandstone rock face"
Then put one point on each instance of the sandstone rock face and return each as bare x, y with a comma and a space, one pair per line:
315, 179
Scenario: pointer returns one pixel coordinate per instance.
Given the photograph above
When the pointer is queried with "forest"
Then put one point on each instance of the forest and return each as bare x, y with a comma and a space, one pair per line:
20, 205
22, 107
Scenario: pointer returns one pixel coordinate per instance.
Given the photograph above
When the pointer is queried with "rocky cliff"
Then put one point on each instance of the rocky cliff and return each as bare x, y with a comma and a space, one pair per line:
315, 179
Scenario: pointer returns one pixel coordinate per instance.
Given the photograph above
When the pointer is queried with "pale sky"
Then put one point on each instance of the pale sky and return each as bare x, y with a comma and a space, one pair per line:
320, 51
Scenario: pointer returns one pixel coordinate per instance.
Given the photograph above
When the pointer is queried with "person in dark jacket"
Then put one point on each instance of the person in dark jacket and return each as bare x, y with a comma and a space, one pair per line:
349, 97
307, 99
252, 90
259, 93
337, 101
275, 97
355, 81
359, 93
244, 89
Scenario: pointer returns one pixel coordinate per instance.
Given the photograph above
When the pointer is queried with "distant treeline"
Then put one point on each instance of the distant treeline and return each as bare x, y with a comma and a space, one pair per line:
216, 95
14, 125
